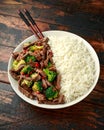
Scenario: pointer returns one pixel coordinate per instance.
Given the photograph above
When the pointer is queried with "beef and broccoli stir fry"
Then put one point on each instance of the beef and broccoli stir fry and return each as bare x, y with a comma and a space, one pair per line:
36, 73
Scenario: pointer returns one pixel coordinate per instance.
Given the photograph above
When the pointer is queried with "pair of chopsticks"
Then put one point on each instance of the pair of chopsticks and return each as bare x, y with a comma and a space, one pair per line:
29, 21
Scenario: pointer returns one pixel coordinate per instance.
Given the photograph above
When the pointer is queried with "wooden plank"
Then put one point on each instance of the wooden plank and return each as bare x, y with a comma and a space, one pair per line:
96, 97
89, 26
14, 114
4, 77
17, 23
101, 57
100, 85
98, 46
5, 53
11, 36
13, 32
82, 17
102, 72
83, 5
58, 15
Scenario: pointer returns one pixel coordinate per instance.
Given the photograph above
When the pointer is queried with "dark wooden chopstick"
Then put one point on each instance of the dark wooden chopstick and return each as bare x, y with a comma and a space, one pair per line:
31, 25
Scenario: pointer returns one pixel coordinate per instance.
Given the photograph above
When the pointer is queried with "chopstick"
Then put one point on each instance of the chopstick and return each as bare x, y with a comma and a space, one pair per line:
31, 24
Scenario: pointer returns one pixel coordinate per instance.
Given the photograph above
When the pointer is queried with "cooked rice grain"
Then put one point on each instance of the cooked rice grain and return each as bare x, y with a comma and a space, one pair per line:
75, 64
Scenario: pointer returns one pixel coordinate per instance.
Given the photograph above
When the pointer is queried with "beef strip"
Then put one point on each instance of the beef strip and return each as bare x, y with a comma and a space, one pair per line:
38, 42
15, 54
50, 55
44, 83
43, 53
31, 63
24, 55
27, 92
20, 68
36, 54
44, 40
59, 100
19, 56
25, 77
47, 60
30, 44
50, 58
41, 72
42, 64
58, 80
37, 78
48, 83
52, 68
49, 52
41, 97
14, 74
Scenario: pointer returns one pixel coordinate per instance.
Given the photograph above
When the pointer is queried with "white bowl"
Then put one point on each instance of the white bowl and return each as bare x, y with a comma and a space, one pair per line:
14, 83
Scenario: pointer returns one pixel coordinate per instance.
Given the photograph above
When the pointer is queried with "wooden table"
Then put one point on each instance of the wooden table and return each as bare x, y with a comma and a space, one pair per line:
82, 17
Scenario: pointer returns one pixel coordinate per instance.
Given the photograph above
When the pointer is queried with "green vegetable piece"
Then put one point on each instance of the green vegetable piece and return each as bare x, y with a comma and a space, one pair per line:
50, 74
26, 82
16, 64
51, 93
35, 47
30, 58
37, 86
27, 69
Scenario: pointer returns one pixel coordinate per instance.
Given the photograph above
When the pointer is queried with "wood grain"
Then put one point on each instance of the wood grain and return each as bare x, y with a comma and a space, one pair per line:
82, 17
79, 21
21, 118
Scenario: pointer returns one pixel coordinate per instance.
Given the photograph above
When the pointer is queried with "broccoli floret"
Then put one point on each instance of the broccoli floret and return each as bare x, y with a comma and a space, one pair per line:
16, 64
51, 93
30, 58
27, 69
37, 86
50, 74
35, 47
26, 82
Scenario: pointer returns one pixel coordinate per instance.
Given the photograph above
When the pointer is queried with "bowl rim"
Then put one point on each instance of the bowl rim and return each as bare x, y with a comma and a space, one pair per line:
59, 106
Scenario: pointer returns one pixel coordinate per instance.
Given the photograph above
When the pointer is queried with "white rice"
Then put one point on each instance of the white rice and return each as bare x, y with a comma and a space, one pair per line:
75, 64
